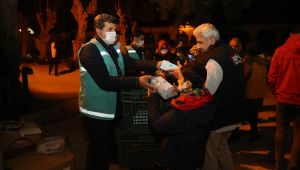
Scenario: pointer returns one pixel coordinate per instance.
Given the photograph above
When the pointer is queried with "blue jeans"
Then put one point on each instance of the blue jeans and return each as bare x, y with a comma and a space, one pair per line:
287, 113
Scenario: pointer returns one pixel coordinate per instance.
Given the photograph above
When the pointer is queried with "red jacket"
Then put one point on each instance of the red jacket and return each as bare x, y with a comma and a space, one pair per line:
284, 74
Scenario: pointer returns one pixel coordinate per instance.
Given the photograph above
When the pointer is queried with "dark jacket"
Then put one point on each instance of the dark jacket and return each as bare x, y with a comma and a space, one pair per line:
92, 61
231, 92
186, 128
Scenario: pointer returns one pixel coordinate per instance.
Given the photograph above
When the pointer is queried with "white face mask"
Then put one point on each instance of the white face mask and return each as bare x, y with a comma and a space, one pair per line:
140, 43
163, 51
110, 37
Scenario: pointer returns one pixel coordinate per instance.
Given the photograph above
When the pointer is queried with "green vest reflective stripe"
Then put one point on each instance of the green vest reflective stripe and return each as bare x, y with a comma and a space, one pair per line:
132, 53
93, 101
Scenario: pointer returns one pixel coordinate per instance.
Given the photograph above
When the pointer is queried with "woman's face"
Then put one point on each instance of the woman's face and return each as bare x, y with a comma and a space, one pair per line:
163, 49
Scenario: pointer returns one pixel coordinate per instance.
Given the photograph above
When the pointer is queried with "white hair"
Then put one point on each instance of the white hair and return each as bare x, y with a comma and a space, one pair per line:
207, 30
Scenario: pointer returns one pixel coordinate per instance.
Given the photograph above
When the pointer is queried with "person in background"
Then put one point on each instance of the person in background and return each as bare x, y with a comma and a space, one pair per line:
172, 47
225, 82
163, 52
149, 46
181, 36
185, 125
236, 44
135, 49
283, 79
182, 53
255, 72
102, 68
53, 60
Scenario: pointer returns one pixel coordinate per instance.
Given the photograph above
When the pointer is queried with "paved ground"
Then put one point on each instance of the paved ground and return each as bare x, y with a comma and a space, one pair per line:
54, 108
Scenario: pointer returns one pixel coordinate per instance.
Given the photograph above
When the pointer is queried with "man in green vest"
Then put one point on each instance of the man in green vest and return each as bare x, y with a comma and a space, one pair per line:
135, 49
102, 68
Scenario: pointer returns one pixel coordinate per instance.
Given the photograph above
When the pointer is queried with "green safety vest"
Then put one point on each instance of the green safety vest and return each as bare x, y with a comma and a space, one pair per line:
93, 101
132, 53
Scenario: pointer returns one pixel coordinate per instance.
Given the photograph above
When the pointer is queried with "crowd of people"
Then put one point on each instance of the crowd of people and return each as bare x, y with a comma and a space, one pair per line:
220, 86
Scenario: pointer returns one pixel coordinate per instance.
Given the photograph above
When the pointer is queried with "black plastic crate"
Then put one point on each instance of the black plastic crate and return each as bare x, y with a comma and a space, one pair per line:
135, 110
138, 150
134, 95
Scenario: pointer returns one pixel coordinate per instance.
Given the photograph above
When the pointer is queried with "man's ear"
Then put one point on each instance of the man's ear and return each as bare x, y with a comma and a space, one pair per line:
97, 30
99, 33
212, 40
135, 39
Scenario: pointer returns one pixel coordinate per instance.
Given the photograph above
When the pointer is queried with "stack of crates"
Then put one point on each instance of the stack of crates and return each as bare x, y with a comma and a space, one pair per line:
136, 145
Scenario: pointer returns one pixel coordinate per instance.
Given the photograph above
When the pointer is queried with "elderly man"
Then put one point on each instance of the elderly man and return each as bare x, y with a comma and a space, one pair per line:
225, 81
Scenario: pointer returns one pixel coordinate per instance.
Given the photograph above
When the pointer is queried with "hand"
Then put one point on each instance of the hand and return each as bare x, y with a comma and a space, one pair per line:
144, 82
158, 64
176, 72
175, 90
151, 91
186, 85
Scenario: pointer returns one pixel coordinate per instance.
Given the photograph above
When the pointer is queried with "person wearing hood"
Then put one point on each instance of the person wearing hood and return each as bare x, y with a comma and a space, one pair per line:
255, 72
187, 122
283, 79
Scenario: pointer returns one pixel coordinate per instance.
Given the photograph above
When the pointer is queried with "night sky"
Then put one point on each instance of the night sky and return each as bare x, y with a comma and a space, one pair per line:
272, 11
260, 11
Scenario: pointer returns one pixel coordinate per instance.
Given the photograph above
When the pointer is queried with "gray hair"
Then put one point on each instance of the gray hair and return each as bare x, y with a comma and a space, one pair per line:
102, 18
207, 30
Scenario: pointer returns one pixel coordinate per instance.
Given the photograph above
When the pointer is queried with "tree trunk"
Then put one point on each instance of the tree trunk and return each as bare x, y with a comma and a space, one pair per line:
81, 15
45, 27
122, 24
41, 45
23, 35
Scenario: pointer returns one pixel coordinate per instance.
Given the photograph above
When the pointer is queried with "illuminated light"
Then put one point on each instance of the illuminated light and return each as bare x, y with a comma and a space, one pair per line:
187, 28
30, 31
20, 30
258, 152
253, 167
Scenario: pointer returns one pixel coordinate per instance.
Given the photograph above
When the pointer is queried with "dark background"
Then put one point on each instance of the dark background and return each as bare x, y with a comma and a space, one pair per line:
147, 12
